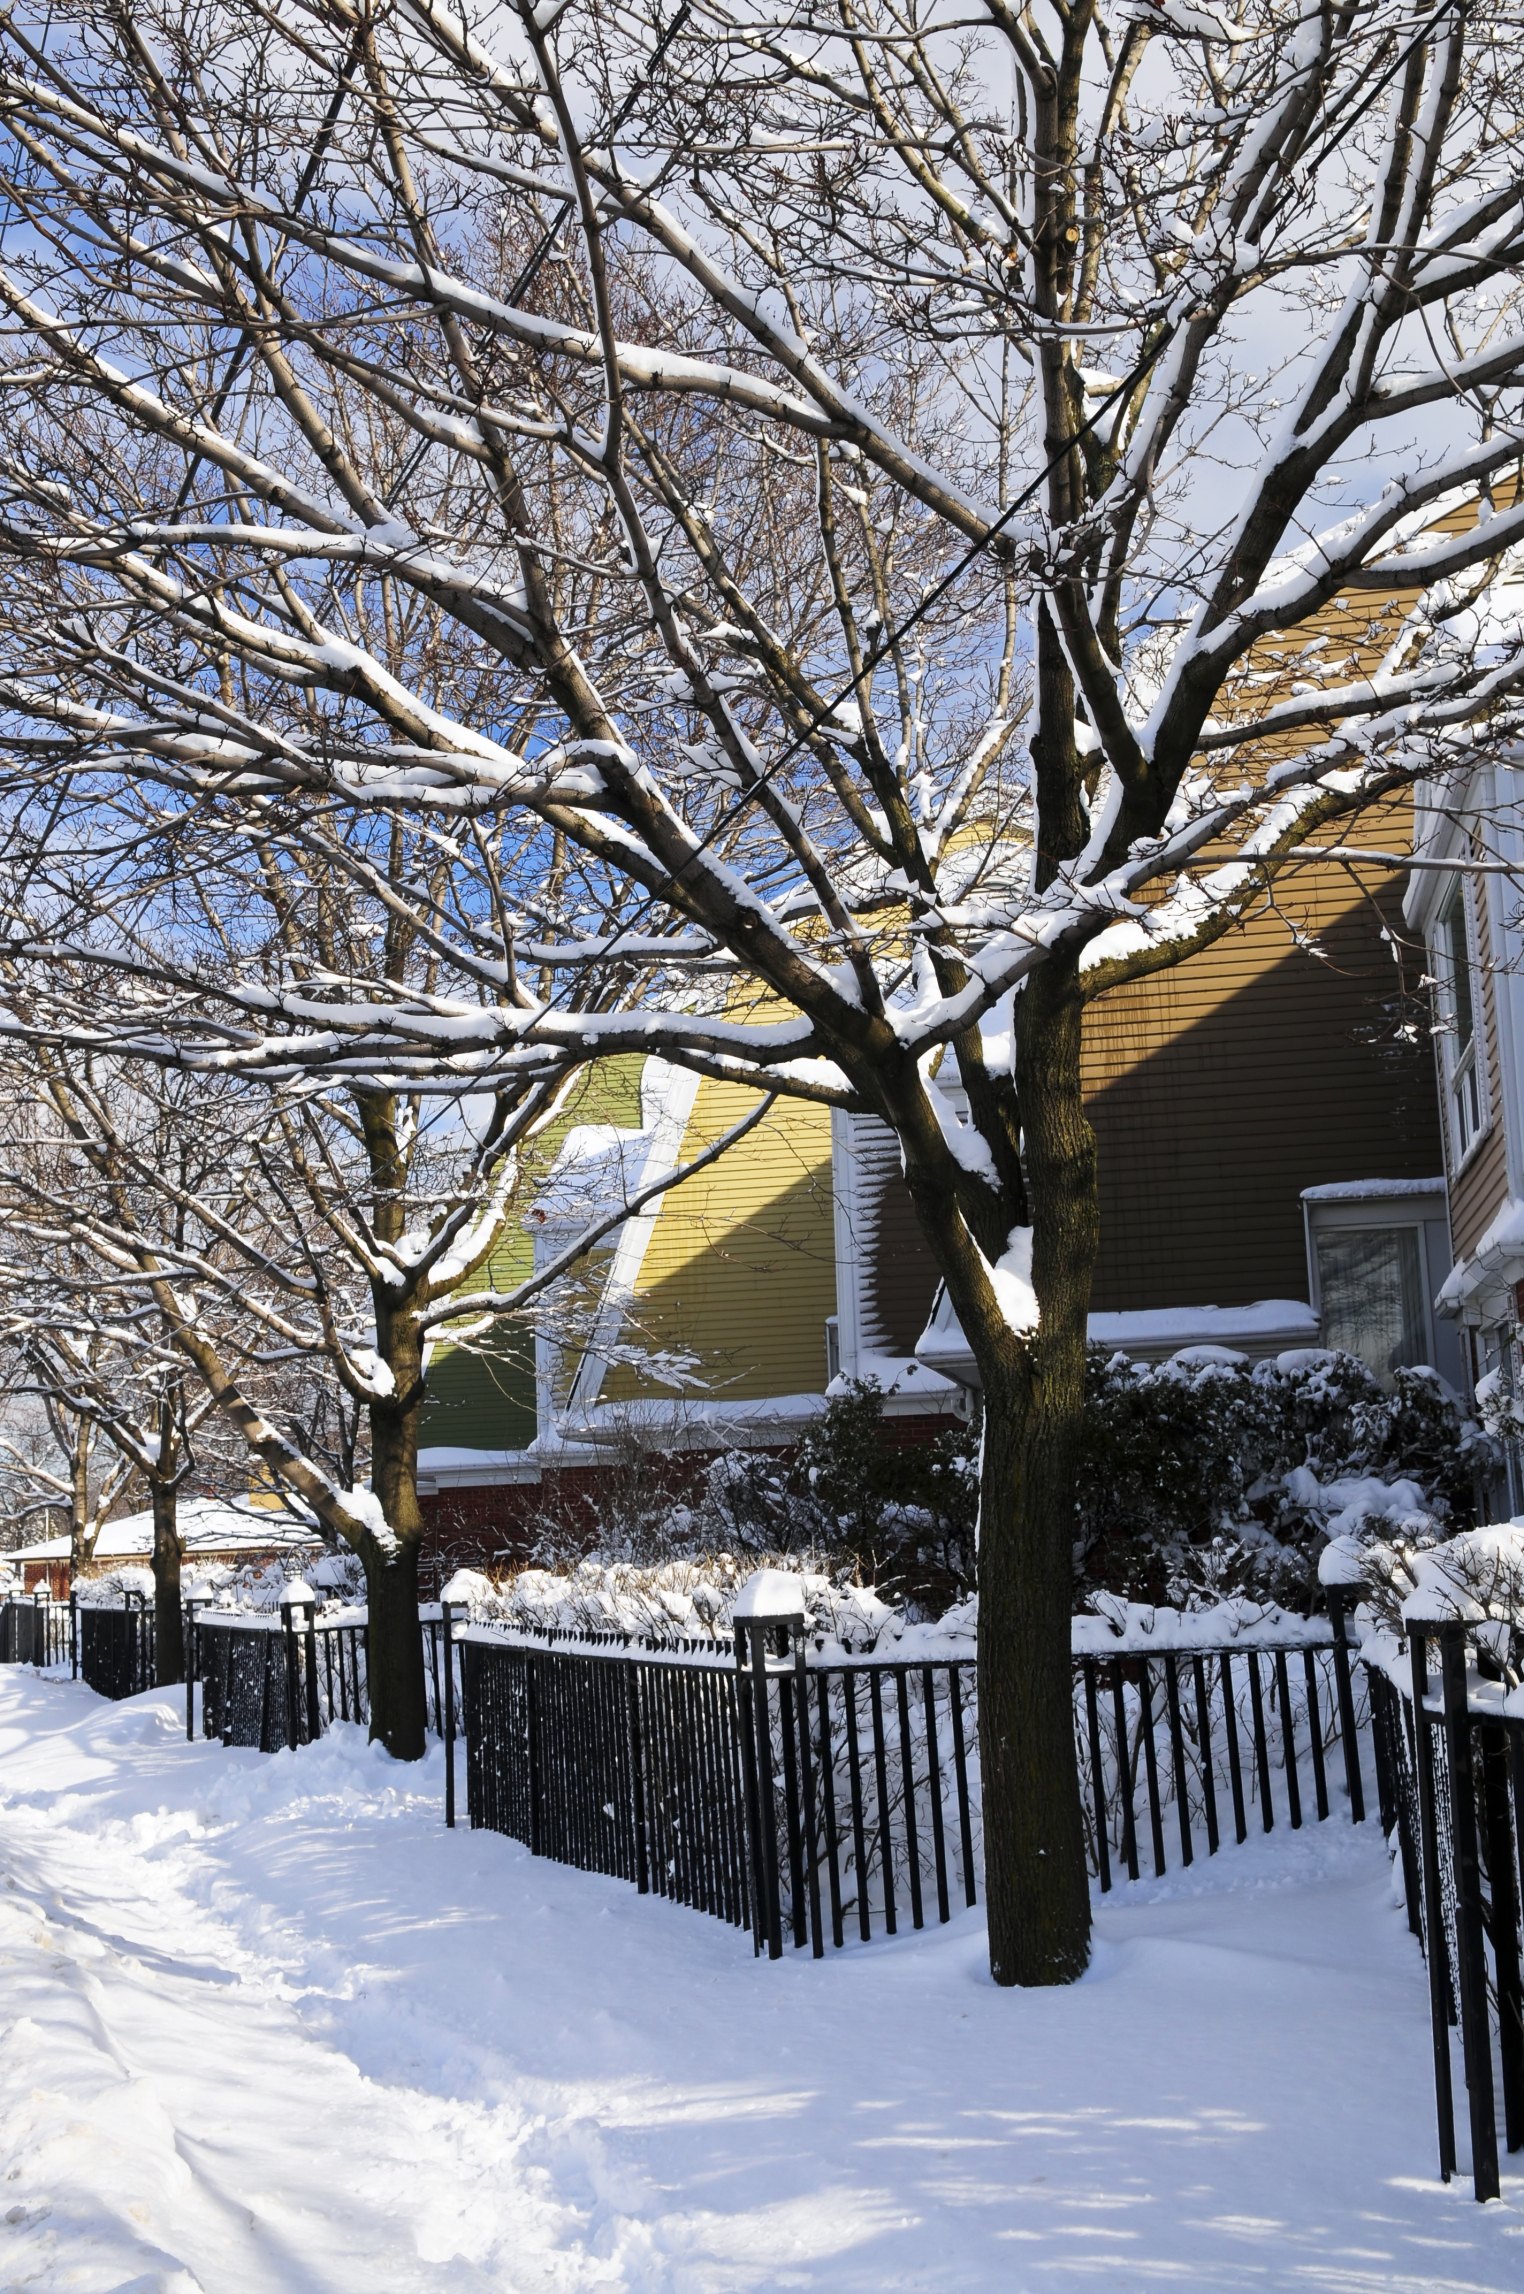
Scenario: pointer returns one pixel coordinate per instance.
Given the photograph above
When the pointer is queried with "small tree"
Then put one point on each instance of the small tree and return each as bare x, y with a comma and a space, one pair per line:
57, 1467
100, 1386
286, 1259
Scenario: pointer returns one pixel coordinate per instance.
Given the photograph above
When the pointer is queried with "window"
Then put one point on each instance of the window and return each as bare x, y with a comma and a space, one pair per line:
1370, 1289
1459, 1053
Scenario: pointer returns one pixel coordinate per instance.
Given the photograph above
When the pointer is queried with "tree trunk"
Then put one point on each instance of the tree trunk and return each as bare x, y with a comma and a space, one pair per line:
1037, 1885
168, 1617
1037, 1888
398, 1708
79, 1504
394, 1652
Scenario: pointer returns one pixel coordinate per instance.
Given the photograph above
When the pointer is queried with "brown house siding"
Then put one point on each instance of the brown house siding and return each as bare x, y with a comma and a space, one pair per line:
1218, 1091
1477, 1193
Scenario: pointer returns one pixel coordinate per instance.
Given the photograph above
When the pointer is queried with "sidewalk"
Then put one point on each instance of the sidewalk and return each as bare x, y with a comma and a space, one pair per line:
266, 2029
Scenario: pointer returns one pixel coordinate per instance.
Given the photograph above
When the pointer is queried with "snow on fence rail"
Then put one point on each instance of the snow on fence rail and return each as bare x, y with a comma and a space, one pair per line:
114, 1648
272, 1681
798, 1791
110, 1645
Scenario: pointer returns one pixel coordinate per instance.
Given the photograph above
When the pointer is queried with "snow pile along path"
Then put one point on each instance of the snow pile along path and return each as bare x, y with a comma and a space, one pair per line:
265, 2026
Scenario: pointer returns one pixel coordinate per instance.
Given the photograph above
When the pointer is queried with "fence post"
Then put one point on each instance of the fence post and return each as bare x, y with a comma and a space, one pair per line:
1476, 2029
136, 1639
807, 1793
294, 1596
1497, 1824
447, 1627
769, 1598
191, 1667
1341, 1598
1435, 1950
532, 1732
73, 1630
314, 1713
637, 1779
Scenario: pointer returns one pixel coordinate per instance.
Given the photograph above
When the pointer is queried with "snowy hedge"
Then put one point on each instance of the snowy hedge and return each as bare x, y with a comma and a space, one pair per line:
1199, 1477
1208, 1474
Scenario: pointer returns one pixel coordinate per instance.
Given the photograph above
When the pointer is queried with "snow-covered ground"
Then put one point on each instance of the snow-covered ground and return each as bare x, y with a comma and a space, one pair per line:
265, 2025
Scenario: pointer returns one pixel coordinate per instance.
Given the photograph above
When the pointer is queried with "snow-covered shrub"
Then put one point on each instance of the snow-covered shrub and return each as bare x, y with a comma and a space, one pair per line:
1208, 1475
845, 1502
1197, 1479
685, 1600
110, 1588
1476, 1577
1499, 1408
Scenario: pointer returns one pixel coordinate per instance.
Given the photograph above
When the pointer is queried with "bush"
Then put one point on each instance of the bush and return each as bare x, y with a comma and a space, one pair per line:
1197, 1478
1207, 1474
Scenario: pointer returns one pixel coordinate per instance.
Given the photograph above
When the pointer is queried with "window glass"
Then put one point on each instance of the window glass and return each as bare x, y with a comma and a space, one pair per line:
1370, 1282
1458, 965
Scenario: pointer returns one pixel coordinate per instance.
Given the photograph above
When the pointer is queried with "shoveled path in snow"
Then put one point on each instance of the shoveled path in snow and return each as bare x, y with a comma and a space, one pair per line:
265, 2028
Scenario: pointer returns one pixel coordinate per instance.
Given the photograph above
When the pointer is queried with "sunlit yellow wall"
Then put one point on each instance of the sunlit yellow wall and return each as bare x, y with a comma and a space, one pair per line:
740, 1268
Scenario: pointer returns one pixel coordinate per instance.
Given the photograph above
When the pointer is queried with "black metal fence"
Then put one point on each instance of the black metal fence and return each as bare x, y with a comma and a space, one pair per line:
788, 1798
283, 1680
116, 1646
806, 1799
34, 1632
1184, 1750
1450, 1776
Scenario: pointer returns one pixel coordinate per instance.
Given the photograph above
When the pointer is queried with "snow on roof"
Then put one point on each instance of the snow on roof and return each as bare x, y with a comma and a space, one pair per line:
1204, 1325
207, 1525
1371, 1190
1267, 1326
1500, 1248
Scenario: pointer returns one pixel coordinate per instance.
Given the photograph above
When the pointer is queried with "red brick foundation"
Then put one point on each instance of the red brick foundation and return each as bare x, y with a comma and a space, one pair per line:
500, 1525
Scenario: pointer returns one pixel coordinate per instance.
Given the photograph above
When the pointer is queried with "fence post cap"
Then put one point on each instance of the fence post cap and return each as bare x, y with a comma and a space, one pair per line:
295, 1591
1427, 1611
1341, 1567
771, 1594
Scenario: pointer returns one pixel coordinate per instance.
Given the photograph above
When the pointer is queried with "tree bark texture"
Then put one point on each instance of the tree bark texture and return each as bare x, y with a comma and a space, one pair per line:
1037, 1879
394, 1652
1036, 1873
398, 1706
168, 1616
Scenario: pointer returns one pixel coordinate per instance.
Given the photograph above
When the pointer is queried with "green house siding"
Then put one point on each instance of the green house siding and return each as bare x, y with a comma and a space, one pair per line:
482, 1397
481, 1402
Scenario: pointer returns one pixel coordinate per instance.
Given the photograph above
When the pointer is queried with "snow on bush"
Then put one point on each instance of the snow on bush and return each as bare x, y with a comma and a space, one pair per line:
1476, 1577
673, 1601
1205, 1484
1208, 1474
111, 1587
845, 1502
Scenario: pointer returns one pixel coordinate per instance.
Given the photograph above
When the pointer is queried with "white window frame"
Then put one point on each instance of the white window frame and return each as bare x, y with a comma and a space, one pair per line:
1426, 1212
1463, 1065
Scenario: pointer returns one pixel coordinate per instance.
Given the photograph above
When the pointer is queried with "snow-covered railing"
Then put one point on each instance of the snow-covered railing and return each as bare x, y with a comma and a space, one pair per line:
269, 1681
803, 1790
115, 1644
1448, 1716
